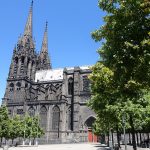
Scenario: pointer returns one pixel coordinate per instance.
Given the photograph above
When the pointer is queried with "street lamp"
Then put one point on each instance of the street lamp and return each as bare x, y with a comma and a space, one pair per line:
36, 142
24, 132
30, 142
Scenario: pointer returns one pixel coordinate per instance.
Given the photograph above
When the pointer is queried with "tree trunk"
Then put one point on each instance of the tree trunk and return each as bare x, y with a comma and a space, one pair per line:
137, 139
112, 136
148, 136
133, 133
12, 141
129, 139
1, 141
118, 136
143, 136
105, 137
108, 140
140, 139
33, 141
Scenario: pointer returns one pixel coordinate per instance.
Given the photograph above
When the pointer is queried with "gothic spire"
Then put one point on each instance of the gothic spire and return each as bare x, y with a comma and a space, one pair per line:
44, 48
28, 27
44, 51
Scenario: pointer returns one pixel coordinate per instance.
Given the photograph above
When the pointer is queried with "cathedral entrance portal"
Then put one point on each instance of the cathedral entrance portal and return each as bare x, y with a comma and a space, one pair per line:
91, 136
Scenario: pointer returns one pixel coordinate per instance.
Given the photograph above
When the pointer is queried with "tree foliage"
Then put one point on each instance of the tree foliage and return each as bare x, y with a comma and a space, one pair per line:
121, 82
18, 126
15, 127
31, 127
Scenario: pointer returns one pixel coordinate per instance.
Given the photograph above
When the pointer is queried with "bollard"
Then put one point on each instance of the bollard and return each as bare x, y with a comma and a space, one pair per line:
5, 147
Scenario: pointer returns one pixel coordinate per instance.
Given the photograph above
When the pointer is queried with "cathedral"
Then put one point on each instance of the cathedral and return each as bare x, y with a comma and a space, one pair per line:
58, 96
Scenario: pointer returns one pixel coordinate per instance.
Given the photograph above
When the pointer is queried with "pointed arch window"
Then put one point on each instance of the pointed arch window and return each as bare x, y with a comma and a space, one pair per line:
70, 86
43, 117
18, 86
56, 118
86, 84
11, 93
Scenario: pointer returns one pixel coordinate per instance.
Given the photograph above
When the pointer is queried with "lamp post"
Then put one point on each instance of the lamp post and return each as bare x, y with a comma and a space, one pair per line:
24, 132
36, 142
124, 130
30, 135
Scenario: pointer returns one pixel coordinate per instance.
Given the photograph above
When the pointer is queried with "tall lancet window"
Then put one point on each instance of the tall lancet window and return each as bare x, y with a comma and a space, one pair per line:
11, 91
43, 117
70, 86
56, 118
15, 65
86, 84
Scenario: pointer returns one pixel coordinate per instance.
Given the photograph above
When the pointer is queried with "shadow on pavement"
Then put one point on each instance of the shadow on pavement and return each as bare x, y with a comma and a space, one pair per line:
101, 147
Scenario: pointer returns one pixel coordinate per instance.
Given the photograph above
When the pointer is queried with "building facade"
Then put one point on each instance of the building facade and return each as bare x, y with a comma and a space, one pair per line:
58, 96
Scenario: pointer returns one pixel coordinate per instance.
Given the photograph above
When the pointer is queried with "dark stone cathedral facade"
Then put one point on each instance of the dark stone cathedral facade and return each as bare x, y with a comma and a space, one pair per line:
58, 96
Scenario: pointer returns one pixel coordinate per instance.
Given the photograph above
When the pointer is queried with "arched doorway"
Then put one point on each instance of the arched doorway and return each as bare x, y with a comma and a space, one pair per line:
91, 136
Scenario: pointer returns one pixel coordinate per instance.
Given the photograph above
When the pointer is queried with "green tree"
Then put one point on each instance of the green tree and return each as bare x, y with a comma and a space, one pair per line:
105, 100
18, 126
126, 55
4, 123
37, 131
15, 128
31, 128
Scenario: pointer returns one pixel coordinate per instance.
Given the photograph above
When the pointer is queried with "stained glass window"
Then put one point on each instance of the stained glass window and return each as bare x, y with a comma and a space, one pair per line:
56, 118
43, 117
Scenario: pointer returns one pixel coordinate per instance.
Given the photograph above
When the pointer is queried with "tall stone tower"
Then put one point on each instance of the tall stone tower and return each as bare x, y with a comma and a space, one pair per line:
24, 64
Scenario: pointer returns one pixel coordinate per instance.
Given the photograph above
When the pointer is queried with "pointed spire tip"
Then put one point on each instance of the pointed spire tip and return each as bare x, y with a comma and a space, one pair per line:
28, 26
32, 3
46, 26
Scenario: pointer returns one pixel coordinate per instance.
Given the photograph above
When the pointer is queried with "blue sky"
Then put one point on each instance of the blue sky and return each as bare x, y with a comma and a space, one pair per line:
70, 23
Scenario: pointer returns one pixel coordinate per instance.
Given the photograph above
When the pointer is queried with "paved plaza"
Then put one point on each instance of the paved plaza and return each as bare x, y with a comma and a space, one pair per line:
81, 146
85, 146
